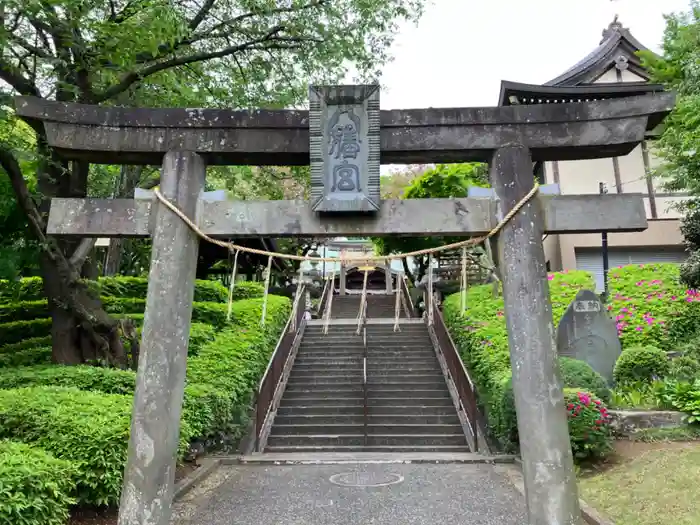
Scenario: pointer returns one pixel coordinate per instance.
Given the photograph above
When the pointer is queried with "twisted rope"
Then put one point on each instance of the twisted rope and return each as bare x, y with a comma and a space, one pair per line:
428, 251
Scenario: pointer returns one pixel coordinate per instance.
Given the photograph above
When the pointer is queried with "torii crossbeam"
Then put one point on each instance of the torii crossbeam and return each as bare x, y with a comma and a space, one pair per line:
344, 138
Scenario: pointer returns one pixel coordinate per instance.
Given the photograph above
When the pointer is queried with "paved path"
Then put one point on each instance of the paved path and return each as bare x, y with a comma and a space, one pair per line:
462, 494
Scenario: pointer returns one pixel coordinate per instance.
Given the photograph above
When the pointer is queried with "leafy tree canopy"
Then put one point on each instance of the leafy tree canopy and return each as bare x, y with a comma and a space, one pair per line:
677, 69
441, 181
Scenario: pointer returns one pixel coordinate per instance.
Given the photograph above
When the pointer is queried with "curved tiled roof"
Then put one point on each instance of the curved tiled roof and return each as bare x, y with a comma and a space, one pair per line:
617, 42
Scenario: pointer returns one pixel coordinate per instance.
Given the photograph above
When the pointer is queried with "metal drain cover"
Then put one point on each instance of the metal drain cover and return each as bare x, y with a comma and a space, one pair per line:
366, 479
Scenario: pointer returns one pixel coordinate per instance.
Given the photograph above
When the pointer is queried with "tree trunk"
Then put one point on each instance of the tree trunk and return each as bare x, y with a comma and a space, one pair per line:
128, 181
81, 330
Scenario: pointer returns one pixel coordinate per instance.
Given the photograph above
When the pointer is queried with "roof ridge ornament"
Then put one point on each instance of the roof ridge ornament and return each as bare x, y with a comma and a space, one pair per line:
614, 27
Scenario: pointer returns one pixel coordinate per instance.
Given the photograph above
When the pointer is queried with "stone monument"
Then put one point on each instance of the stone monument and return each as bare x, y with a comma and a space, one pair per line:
586, 332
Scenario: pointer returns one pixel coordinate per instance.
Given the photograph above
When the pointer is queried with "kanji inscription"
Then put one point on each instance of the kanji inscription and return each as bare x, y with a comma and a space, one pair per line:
344, 147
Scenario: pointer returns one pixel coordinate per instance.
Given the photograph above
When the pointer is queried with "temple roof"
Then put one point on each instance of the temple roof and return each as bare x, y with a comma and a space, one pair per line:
580, 83
617, 49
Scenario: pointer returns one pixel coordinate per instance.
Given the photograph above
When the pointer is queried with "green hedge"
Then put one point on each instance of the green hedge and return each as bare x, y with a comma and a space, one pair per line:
31, 289
482, 340
35, 487
39, 355
26, 344
89, 422
651, 306
90, 429
17, 331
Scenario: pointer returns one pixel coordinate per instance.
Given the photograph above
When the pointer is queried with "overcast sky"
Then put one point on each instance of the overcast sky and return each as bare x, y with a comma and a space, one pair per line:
462, 49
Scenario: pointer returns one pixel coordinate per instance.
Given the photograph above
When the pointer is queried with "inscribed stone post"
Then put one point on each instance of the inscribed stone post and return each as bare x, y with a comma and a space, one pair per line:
160, 382
548, 470
586, 332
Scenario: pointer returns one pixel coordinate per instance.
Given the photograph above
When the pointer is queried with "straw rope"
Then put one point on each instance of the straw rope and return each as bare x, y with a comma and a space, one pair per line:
428, 251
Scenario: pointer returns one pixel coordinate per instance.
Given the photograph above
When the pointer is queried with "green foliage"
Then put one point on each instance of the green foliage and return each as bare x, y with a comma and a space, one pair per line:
677, 146
82, 377
641, 364
126, 287
442, 181
685, 368
17, 331
35, 487
90, 429
686, 398
483, 344
651, 307
589, 425
25, 344
38, 355
18, 254
579, 374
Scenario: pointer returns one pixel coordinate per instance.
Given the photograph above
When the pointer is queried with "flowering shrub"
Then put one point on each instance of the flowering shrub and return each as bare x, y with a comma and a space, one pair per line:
651, 306
641, 364
589, 425
482, 340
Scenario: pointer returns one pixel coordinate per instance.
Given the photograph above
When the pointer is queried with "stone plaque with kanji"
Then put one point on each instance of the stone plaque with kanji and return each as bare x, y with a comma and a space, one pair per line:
344, 148
587, 332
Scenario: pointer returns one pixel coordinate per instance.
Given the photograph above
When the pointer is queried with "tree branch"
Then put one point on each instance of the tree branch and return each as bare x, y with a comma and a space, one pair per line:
9, 74
269, 40
82, 251
201, 14
9, 163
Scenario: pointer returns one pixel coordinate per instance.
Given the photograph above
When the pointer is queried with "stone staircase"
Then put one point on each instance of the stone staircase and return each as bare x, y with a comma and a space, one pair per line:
409, 405
379, 306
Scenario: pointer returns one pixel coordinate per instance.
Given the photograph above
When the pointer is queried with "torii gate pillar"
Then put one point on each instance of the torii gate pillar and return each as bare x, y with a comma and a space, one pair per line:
155, 420
548, 468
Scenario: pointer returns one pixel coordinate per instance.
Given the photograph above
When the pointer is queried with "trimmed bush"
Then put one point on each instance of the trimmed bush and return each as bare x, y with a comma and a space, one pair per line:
579, 374
27, 357
234, 362
641, 364
19, 330
246, 290
23, 311
589, 426
25, 344
82, 377
35, 487
651, 306
685, 368
32, 289
88, 428
483, 344
25, 289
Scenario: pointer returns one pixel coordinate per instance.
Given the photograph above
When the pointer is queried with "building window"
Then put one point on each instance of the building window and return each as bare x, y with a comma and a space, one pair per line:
548, 266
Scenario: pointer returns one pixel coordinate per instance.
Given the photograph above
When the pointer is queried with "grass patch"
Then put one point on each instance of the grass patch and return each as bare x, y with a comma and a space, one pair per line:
657, 487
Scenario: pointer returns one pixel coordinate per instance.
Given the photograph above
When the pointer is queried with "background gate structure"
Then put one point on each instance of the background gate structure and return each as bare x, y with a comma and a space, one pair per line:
345, 137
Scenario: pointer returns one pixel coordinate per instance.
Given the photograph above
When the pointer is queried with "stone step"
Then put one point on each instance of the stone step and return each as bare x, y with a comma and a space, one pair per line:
380, 374
372, 329
381, 403
375, 390
380, 448
373, 429
393, 440
351, 410
373, 383
373, 418
352, 338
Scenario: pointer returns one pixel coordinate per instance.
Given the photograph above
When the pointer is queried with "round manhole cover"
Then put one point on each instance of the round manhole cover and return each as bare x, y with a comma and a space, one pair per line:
366, 479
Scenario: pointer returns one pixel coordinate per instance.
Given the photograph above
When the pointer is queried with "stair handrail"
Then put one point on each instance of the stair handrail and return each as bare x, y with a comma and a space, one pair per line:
364, 381
458, 373
406, 297
272, 380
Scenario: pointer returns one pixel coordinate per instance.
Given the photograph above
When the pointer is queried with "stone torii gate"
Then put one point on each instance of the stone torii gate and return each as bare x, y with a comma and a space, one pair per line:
345, 137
